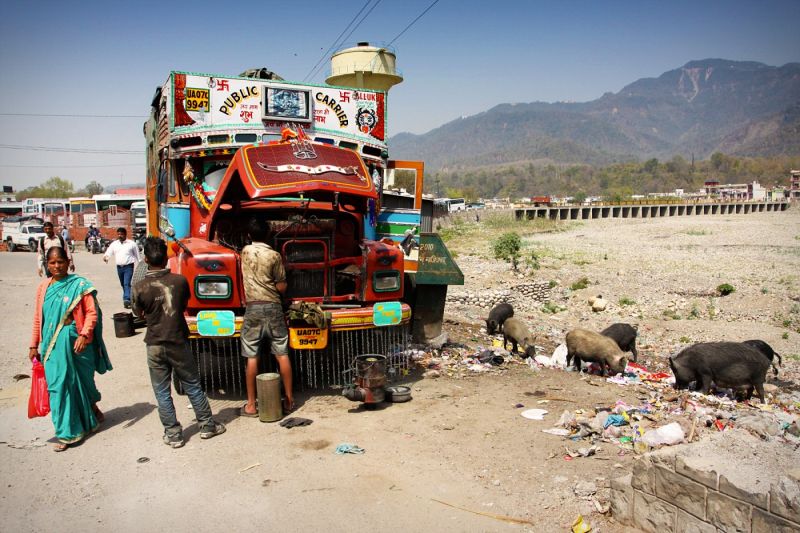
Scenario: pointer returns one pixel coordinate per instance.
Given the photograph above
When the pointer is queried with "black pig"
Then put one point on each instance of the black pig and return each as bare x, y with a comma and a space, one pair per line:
625, 337
726, 364
497, 317
767, 350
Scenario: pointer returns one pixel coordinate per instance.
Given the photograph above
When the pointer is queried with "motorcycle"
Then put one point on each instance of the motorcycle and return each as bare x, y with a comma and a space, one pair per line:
93, 244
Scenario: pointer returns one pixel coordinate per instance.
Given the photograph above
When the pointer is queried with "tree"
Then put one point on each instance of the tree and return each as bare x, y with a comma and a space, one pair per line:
651, 166
93, 188
54, 187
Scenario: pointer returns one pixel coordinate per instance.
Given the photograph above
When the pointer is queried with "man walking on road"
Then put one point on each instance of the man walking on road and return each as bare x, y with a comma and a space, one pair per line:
45, 243
264, 285
126, 255
161, 299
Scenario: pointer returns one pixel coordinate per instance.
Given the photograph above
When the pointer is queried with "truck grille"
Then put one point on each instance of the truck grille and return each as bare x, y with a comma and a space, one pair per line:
221, 366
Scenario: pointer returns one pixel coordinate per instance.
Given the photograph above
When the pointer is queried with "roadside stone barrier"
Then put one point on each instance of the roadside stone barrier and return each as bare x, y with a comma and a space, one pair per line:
730, 482
522, 295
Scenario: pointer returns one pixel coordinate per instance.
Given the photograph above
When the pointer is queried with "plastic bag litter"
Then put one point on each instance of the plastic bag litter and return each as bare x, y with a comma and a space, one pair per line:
567, 420
581, 526
557, 431
669, 434
559, 357
534, 414
615, 420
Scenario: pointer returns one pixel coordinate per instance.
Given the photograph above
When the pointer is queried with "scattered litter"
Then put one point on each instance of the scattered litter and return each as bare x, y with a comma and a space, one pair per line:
665, 435
615, 420
349, 448
143, 460
534, 414
557, 431
582, 452
245, 469
581, 526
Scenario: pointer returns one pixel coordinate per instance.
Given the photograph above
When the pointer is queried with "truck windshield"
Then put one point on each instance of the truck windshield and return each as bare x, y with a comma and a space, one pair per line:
35, 229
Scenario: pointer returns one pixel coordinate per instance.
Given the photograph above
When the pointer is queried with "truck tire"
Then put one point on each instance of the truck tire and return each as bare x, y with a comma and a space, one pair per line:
10, 245
32, 245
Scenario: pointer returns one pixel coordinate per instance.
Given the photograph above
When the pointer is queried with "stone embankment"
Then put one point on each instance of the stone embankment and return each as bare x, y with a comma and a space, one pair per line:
522, 295
729, 482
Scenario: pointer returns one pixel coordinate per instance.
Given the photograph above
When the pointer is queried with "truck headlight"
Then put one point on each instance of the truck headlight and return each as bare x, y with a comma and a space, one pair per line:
212, 287
386, 281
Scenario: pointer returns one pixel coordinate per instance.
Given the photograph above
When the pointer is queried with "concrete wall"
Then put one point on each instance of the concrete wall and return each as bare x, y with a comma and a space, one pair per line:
669, 493
648, 210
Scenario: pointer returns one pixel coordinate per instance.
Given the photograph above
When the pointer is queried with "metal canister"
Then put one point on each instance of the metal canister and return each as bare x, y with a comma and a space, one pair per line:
269, 397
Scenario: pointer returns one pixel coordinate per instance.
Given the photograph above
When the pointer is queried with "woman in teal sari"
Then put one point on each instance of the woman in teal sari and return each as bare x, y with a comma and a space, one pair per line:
67, 338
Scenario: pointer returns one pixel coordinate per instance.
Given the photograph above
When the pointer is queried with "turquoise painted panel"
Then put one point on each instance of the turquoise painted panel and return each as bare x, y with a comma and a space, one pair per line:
178, 216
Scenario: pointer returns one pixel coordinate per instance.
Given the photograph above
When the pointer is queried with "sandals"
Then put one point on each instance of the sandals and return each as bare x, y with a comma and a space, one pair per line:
60, 447
98, 414
245, 414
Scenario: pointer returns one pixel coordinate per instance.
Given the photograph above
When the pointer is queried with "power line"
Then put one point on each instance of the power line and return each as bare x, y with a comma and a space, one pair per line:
71, 150
331, 47
344, 39
71, 115
413, 22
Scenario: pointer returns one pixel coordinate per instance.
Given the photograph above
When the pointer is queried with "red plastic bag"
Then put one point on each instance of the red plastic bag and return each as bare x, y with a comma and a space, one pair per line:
39, 401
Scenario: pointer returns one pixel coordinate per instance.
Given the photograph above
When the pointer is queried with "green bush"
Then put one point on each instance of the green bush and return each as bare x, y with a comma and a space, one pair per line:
551, 308
685, 340
726, 289
532, 261
625, 301
507, 247
785, 335
580, 284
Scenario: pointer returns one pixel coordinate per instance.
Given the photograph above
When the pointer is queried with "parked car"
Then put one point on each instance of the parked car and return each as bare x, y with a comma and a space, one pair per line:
23, 235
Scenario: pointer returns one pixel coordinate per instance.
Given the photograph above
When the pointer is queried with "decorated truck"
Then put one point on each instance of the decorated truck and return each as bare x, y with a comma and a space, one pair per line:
363, 274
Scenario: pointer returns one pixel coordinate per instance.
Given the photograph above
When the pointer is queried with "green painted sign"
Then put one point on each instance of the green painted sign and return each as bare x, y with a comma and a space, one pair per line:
435, 265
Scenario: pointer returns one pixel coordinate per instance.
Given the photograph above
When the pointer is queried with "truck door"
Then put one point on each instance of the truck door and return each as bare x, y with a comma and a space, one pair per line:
401, 216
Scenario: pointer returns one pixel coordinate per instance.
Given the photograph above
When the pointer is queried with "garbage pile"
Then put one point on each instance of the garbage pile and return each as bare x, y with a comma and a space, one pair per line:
666, 416
458, 360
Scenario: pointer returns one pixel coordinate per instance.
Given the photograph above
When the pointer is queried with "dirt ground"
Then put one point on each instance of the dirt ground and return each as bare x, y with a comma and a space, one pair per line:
458, 457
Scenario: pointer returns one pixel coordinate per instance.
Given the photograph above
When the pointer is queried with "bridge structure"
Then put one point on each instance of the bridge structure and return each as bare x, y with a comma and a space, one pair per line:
642, 211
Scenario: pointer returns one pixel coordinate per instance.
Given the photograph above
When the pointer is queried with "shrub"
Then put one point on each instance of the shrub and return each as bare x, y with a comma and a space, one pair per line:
552, 284
580, 284
685, 340
551, 308
625, 301
785, 335
726, 289
507, 247
532, 261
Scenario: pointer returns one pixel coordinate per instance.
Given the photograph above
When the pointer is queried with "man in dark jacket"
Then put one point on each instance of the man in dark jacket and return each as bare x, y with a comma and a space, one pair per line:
161, 299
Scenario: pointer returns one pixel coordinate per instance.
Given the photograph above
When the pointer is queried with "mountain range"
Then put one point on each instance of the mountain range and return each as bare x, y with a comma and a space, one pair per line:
741, 108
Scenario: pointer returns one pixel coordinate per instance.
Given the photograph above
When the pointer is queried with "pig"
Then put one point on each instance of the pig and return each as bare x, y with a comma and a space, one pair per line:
497, 316
516, 332
726, 364
767, 351
625, 337
585, 345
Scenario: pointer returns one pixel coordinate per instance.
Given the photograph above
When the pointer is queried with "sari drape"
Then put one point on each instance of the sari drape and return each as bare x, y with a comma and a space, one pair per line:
70, 375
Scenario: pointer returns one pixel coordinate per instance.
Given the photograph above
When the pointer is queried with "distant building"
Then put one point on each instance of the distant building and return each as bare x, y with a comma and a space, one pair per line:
794, 185
8, 194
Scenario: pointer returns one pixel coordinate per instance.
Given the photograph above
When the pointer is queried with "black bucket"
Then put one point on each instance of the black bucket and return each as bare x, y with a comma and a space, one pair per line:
123, 325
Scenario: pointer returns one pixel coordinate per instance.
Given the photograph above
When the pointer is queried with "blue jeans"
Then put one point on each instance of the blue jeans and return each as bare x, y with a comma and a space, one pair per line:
163, 360
125, 274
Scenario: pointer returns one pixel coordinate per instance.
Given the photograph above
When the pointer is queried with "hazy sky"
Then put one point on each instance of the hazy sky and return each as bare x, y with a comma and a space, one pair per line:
462, 57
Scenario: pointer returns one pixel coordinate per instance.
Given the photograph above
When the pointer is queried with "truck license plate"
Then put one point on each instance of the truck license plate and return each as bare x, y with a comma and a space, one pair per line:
308, 338
216, 323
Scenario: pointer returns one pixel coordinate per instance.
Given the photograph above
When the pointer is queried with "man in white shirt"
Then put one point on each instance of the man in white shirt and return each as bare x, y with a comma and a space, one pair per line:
126, 255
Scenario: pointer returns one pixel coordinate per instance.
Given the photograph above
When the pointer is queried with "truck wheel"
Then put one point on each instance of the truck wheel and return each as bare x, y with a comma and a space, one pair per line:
32, 245
10, 245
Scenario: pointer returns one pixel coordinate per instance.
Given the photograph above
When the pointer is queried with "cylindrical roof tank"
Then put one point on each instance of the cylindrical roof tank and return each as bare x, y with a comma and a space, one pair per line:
365, 67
